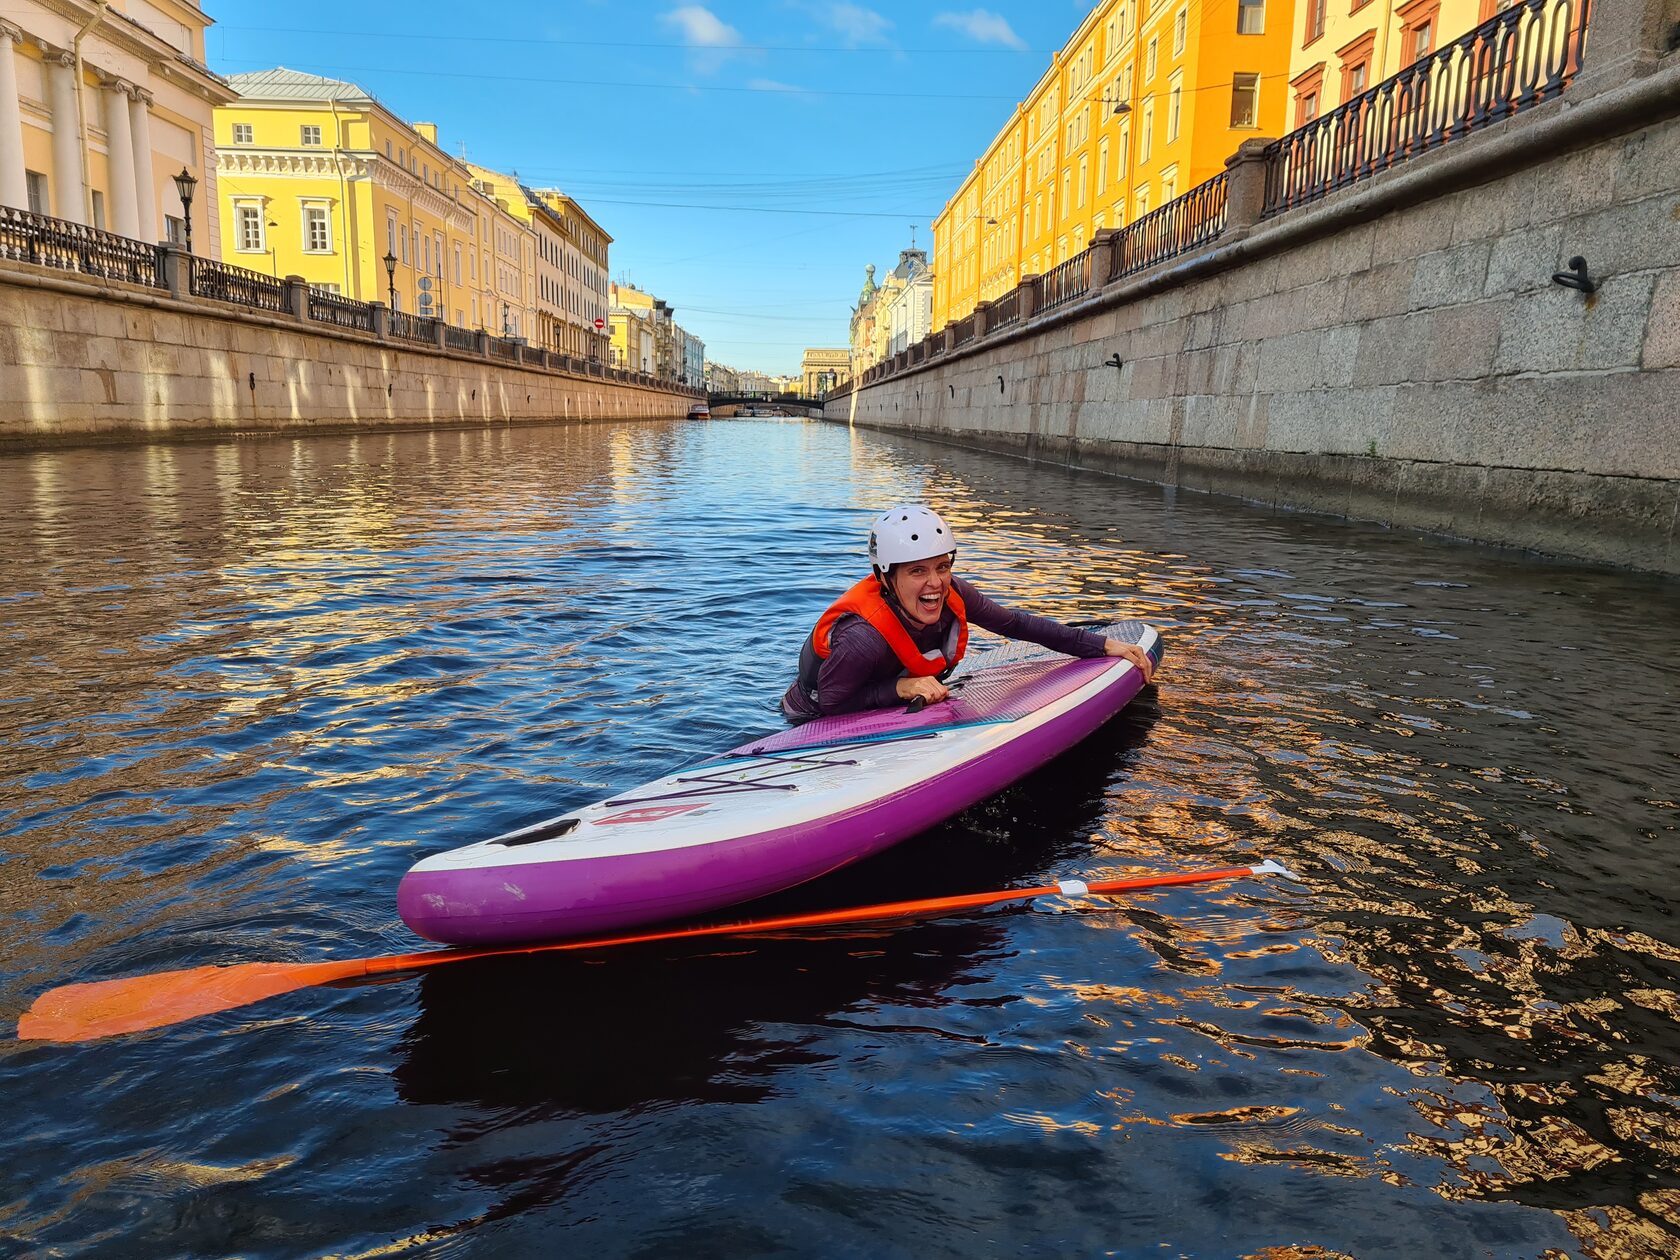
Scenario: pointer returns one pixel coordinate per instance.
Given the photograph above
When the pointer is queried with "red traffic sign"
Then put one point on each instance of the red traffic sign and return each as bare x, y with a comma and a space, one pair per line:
600, 323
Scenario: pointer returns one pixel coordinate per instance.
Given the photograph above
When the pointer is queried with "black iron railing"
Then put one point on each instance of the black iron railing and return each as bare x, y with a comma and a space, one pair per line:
217, 280
49, 242
459, 338
1175, 228
1512, 62
1068, 279
341, 312
1004, 311
504, 348
413, 327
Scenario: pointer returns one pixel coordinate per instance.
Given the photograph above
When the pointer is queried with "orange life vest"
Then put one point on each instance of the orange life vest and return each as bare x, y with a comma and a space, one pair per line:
865, 600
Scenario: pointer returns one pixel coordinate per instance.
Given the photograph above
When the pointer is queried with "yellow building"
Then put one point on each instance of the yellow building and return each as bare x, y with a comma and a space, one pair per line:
1145, 101
632, 343
1340, 52
320, 180
101, 105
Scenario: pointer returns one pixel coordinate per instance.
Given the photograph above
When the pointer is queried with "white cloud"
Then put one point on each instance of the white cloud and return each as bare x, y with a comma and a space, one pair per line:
702, 28
981, 26
859, 25
772, 85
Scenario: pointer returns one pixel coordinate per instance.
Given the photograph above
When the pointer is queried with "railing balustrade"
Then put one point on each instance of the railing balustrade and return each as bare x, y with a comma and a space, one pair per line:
1512, 62
224, 283
1067, 280
459, 338
49, 242
411, 327
341, 312
504, 348
1184, 223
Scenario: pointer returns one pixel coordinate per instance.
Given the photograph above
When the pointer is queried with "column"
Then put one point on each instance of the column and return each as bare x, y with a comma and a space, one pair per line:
145, 188
119, 148
69, 197
14, 189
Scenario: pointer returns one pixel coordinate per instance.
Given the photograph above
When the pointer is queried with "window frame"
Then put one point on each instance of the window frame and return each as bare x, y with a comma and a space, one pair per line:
1253, 87
305, 130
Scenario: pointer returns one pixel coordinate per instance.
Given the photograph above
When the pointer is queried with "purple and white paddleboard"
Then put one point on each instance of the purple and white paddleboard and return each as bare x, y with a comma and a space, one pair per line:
774, 812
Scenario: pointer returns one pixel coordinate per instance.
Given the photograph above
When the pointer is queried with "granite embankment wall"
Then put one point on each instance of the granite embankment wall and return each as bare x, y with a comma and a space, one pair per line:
1397, 352
89, 360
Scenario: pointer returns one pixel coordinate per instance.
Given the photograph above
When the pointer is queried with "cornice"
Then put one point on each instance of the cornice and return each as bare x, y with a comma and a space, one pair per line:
161, 57
293, 163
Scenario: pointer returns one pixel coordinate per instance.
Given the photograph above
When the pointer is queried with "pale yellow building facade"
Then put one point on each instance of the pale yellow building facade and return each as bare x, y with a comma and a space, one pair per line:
319, 179
1340, 51
822, 369
101, 105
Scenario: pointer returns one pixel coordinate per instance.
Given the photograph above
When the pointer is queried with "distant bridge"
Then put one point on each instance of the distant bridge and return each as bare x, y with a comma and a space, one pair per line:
738, 403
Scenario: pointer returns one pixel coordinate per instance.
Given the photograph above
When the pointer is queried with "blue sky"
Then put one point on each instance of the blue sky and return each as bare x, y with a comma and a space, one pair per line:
748, 158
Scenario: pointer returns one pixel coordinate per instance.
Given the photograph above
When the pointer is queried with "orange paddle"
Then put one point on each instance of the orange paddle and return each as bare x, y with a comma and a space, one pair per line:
104, 1008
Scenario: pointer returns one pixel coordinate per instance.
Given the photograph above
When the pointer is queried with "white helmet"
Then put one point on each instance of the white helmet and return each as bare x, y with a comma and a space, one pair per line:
908, 533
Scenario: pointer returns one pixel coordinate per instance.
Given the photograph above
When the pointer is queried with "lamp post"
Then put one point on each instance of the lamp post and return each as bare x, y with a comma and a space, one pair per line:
390, 261
505, 329
184, 186
273, 255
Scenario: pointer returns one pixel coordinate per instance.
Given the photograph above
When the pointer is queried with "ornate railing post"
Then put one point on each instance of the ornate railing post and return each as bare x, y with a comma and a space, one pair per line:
1027, 292
440, 333
1101, 259
1245, 184
177, 269
381, 319
1626, 41
481, 342
297, 297
979, 318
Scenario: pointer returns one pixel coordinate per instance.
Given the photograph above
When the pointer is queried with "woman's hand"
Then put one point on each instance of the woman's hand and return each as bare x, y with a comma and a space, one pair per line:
931, 690
1133, 653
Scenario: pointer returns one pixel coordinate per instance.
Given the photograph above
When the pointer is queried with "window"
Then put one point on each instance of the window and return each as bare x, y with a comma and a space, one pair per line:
1306, 108
1146, 129
1180, 23
1079, 200
1143, 201
1102, 167
242, 133
402, 239
36, 184
248, 227
1150, 58
1125, 148
1169, 184
310, 134
1245, 100
98, 199
387, 149
327, 287
1126, 82
391, 234
317, 230
174, 229
1251, 17
1175, 106
1315, 20
1421, 45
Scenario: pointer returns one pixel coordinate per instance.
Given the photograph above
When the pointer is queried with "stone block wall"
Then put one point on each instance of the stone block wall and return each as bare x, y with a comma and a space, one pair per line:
1399, 352
83, 360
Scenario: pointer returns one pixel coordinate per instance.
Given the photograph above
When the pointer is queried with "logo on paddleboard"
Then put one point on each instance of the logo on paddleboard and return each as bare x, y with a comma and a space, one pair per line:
652, 813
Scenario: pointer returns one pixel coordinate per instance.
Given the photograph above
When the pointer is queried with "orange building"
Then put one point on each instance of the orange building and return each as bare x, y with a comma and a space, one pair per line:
1145, 101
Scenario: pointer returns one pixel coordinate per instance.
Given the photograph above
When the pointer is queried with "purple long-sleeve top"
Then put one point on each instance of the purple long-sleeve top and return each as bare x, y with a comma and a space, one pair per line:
861, 671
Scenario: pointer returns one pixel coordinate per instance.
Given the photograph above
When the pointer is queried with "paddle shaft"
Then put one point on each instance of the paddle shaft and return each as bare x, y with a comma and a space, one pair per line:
102, 1008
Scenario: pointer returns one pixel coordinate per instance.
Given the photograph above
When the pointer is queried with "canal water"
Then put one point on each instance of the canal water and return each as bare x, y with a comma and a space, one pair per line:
247, 684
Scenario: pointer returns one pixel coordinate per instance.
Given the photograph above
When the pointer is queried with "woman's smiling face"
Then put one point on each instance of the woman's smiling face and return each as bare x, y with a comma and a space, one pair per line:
921, 586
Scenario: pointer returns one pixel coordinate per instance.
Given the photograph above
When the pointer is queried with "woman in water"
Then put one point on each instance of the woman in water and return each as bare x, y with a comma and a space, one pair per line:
894, 636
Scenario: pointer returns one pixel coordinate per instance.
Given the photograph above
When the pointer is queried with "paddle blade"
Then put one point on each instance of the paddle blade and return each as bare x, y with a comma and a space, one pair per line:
104, 1008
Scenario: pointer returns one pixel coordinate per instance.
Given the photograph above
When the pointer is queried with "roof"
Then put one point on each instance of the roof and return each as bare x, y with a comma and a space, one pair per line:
281, 84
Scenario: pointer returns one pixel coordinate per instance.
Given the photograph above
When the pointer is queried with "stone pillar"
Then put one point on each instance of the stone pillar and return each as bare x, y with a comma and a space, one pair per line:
119, 148
1101, 258
980, 310
1245, 184
1028, 298
14, 189
438, 334
177, 277
1625, 40
381, 319
481, 342
145, 185
69, 196
297, 297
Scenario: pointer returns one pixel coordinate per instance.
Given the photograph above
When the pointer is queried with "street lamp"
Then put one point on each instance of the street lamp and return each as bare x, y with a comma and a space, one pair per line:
273, 255
184, 186
390, 261
505, 329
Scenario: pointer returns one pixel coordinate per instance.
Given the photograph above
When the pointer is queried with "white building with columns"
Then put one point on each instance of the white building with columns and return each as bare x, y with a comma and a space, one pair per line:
101, 105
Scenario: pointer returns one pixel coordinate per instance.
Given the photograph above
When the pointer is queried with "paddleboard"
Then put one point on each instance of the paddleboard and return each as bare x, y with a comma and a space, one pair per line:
776, 811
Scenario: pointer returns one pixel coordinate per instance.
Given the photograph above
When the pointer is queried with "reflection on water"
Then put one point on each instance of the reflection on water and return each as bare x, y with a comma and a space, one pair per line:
248, 683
